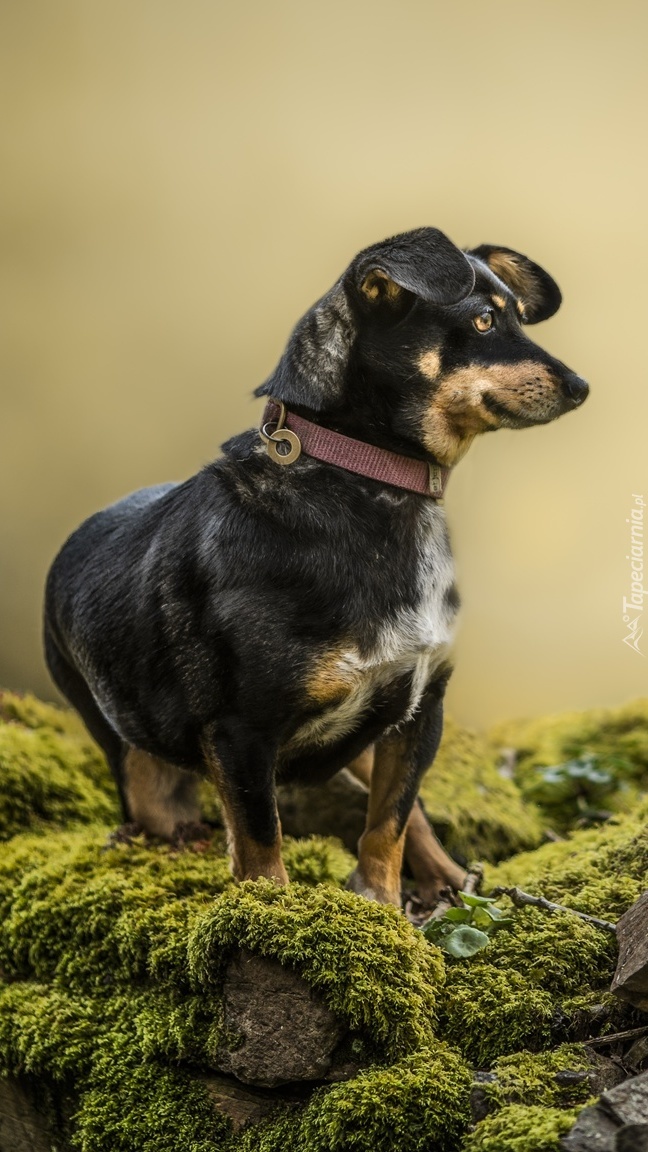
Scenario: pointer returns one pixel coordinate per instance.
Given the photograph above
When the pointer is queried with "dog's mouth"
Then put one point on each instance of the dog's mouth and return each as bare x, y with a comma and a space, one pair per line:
514, 419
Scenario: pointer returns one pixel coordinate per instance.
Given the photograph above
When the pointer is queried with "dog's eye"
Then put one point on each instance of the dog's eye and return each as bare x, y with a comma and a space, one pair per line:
484, 321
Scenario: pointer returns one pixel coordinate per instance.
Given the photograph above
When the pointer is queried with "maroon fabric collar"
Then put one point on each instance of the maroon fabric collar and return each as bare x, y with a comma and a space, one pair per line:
287, 435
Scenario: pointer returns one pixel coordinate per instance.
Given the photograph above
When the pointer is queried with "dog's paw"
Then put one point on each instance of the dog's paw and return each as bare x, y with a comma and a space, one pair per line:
429, 892
125, 834
191, 832
356, 883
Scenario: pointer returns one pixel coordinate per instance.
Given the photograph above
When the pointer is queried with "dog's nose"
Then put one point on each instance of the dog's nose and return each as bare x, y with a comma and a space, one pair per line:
575, 388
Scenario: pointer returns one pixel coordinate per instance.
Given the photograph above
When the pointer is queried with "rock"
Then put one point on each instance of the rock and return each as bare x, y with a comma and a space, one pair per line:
631, 977
628, 1102
336, 808
25, 1120
480, 1103
632, 1138
276, 1029
593, 1131
605, 1073
245, 1105
637, 1056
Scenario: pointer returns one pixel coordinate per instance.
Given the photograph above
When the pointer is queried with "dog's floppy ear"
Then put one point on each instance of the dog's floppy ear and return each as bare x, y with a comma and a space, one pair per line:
536, 290
422, 263
312, 369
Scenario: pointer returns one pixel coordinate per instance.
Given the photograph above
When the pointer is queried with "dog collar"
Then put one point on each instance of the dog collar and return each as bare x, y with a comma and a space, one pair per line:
287, 435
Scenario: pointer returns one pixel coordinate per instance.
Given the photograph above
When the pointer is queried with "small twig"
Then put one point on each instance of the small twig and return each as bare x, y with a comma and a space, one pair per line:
523, 899
474, 877
552, 836
614, 1036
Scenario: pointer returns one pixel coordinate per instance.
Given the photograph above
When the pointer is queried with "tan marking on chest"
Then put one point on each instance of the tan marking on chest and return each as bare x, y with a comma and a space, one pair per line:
333, 677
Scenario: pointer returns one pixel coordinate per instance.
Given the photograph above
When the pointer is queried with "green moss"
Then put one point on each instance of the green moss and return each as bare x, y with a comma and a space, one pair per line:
135, 1105
317, 860
374, 970
418, 1103
113, 961
530, 1078
598, 871
478, 812
488, 1013
51, 773
424, 1099
520, 1128
548, 966
617, 739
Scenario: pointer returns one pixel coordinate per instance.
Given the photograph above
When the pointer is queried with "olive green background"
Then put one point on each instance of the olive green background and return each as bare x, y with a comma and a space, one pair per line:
181, 180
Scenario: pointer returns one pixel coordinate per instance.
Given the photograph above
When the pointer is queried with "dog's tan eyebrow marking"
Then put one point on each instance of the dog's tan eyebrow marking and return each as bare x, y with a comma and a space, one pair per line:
499, 302
429, 363
520, 307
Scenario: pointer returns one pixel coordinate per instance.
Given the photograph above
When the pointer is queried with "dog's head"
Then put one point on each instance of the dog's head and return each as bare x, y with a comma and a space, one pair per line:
420, 346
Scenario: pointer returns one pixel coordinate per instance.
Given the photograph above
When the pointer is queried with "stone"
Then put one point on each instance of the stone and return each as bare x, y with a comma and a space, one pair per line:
335, 808
593, 1131
637, 1055
632, 1138
244, 1105
628, 1102
480, 1102
276, 1029
25, 1117
631, 977
605, 1073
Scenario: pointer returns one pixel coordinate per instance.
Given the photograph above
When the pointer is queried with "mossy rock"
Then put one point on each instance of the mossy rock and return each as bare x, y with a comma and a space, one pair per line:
521, 1128
533, 984
51, 773
112, 962
574, 761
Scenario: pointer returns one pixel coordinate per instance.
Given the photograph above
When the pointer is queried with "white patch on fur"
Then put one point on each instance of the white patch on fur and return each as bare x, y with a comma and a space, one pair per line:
416, 641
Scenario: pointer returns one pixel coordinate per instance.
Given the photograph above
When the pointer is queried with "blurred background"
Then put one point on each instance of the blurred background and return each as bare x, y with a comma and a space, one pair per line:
181, 181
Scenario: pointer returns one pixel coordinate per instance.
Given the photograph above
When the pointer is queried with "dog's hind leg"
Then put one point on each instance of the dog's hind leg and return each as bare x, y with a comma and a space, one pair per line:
160, 797
242, 768
73, 686
427, 861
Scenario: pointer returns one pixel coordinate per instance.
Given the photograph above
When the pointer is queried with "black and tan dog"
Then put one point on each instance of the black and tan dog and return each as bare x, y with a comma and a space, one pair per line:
261, 622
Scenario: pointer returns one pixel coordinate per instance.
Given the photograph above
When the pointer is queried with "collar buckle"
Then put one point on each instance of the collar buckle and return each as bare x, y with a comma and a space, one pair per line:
435, 480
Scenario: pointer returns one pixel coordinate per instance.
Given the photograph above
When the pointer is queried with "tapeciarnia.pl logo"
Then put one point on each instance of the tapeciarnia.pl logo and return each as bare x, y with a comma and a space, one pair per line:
633, 605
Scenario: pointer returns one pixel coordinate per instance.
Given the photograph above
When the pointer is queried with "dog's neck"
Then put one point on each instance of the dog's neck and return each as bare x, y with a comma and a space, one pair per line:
287, 434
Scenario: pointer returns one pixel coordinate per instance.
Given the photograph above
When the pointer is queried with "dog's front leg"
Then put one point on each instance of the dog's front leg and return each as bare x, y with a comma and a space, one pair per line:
241, 765
400, 759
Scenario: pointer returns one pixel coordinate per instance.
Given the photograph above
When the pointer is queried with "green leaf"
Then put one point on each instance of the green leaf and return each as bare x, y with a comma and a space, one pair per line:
476, 901
465, 941
482, 918
495, 913
436, 930
458, 915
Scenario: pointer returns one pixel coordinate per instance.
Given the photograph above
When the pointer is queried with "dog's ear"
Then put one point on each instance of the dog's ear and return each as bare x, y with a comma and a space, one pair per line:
423, 263
536, 290
312, 370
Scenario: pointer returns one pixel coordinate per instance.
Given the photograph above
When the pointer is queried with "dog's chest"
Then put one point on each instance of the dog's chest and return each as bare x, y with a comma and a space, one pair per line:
411, 643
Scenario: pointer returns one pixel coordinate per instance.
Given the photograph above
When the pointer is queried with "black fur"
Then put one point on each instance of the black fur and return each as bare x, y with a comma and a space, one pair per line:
195, 615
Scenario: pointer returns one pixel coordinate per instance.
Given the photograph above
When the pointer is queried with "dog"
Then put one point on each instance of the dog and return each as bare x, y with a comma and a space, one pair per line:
289, 610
